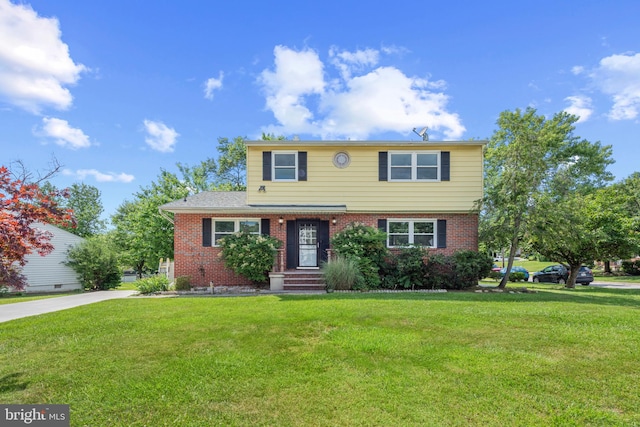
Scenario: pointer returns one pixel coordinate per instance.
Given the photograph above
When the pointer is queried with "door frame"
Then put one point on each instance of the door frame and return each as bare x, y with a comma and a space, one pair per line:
292, 242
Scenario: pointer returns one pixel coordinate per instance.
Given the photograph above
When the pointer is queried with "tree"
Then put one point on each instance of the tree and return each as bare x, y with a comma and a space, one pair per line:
21, 205
84, 201
530, 158
232, 164
96, 263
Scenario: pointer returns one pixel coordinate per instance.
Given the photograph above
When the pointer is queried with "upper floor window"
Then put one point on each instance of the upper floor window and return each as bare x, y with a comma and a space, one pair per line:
414, 166
225, 227
285, 166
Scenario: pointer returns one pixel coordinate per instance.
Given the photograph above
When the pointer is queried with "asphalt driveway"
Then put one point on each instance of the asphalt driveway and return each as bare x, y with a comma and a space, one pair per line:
33, 308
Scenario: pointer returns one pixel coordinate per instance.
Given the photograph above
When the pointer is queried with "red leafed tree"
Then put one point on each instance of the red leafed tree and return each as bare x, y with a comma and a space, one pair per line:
21, 205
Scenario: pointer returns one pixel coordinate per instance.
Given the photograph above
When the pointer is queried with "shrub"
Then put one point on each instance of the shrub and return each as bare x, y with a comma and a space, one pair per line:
367, 246
631, 267
516, 276
342, 274
495, 275
183, 283
471, 266
406, 269
95, 261
440, 272
152, 285
249, 255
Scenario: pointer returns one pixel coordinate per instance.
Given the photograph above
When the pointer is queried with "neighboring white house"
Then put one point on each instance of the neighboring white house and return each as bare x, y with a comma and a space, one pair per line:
48, 273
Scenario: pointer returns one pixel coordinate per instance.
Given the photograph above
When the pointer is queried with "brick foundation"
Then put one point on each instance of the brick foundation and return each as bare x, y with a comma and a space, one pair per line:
204, 265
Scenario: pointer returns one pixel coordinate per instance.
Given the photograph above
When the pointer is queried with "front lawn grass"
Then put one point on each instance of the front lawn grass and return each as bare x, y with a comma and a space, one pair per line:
559, 357
13, 298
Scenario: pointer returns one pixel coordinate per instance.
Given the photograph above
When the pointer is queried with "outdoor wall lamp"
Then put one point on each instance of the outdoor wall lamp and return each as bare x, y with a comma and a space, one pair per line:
334, 221
280, 220
262, 189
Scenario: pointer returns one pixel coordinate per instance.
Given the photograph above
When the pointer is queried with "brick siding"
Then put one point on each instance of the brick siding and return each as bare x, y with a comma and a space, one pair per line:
204, 266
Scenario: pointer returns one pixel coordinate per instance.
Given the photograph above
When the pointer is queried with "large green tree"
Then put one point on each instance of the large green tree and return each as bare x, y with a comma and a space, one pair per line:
531, 158
85, 203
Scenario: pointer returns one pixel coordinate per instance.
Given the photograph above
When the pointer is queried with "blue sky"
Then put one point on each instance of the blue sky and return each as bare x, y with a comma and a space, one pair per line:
117, 90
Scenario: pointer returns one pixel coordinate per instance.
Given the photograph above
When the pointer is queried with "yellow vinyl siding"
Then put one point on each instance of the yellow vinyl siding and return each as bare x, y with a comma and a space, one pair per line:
357, 186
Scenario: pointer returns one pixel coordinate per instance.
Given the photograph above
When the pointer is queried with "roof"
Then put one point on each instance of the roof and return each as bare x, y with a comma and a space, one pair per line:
236, 202
349, 143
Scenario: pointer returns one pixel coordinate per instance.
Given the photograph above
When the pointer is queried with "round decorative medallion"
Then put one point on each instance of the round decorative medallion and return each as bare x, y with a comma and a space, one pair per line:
341, 159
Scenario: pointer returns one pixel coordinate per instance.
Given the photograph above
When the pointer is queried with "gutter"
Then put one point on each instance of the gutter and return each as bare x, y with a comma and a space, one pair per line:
165, 216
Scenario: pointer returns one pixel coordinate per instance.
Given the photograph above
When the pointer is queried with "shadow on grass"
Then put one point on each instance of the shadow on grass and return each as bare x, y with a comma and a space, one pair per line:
12, 382
597, 296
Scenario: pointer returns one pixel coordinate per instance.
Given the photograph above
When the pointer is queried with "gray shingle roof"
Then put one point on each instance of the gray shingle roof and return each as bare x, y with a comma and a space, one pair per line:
236, 202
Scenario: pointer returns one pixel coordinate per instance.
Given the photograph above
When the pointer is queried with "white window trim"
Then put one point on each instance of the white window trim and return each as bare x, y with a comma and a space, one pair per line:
411, 234
414, 166
273, 166
236, 226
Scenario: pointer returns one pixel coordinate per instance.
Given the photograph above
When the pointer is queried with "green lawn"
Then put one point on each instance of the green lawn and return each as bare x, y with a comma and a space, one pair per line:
13, 298
558, 357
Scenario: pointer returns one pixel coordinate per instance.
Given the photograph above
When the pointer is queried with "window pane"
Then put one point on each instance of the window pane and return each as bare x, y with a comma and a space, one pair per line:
250, 226
427, 160
398, 227
219, 236
398, 240
285, 173
224, 226
423, 240
400, 159
423, 227
400, 173
427, 173
285, 160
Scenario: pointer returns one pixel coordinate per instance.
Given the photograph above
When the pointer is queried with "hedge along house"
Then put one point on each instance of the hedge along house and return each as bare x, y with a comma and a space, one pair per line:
303, 192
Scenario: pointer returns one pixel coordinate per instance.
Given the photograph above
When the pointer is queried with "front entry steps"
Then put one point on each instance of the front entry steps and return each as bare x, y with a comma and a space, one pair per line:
303, 280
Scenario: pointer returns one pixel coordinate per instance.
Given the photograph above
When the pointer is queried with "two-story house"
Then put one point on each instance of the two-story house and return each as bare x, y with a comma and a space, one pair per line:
302, 192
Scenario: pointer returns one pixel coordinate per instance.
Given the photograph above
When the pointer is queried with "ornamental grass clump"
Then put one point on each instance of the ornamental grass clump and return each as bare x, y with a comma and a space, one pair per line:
342, 274
153, 285
249, 255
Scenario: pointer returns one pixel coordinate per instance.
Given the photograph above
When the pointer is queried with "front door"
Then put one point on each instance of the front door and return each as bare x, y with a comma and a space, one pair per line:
308, 243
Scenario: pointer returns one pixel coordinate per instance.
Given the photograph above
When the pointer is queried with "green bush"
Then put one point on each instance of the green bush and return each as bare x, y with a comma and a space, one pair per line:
367, 246
96, 264
470, 267
495, 275
440, 272
183, 283
631, 267
342, 274
152, 285
249, 255
406, 269
516, 276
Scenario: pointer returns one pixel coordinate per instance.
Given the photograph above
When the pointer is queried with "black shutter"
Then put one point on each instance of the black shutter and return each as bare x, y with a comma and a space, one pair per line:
442, 233
323, 240
382, 225
266, 165
292, 253
264, 226
302, 165
382, 166
445, 164
206, 231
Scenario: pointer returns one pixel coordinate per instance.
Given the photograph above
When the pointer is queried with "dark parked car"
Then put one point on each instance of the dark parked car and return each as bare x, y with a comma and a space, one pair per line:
559, 274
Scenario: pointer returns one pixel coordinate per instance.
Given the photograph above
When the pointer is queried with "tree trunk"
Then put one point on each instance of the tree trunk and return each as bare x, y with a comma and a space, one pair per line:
512, 254
607, 266
573, 275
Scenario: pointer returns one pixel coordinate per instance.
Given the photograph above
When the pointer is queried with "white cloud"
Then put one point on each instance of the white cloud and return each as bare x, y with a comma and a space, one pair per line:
619, 77
35, 65
160, 137
100, 176
63, 134
578, 69
213, 84
361, 101
580, 106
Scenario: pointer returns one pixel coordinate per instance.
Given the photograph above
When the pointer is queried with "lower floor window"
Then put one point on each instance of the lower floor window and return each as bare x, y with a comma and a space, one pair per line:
225, 227
406, 232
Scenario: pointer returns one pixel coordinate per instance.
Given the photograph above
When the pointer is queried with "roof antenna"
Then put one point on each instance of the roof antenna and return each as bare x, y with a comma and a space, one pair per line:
423, 133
